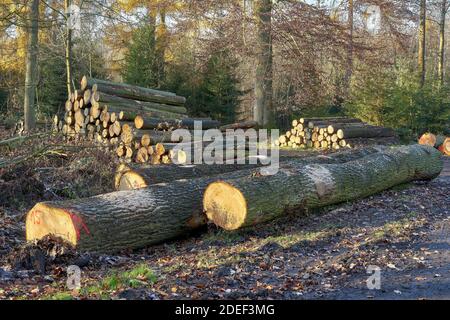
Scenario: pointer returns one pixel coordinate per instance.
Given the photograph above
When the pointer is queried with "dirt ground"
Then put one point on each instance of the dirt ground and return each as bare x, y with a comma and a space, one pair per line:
405, 232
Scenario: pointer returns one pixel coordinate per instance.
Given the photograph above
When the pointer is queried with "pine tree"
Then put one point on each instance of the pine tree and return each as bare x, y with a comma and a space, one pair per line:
141, 65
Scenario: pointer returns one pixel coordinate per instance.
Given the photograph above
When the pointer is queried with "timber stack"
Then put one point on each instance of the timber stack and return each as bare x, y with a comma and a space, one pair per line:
334, 133
439, 142
133, 121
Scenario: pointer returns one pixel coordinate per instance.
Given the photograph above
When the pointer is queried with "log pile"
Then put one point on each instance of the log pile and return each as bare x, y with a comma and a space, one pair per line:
133, 121
138, 218
333, 133
439, 142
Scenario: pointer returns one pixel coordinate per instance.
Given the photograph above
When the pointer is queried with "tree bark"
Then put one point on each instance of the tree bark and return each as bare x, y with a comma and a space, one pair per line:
348, 132
239, 125
422, 41
349, 68
235, 203
31, 68
68, 48
442, 42
133, 92
263, 80
102, 97
137, 218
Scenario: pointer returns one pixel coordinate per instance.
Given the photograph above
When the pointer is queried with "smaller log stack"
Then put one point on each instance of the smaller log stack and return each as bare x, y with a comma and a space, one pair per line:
333, 133
439, 142
133, 121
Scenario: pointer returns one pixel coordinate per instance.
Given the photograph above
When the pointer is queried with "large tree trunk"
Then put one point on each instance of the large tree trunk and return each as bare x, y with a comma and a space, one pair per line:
68, 48
132, 92
137, 177
138, 218
442, 42
235, 203
422, 41
263, 83
161, 44
31, 68
349, 67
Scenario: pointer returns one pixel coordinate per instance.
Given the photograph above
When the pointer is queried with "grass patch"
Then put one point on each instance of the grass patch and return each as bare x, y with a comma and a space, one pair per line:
58, 296
396, 229
291, 239
139, 276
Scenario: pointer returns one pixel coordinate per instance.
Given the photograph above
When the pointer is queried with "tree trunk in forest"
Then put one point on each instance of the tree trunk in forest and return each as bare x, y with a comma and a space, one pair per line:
235, 203
138, 218
422, 41
349, 67
31, 68
68, 48
161, 43
442, 42
263, 83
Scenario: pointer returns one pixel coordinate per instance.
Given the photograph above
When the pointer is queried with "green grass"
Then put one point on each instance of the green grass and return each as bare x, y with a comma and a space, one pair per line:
139, 276
58, 296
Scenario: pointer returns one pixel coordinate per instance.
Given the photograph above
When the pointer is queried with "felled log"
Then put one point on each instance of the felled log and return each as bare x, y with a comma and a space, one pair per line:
362, 142
132, 92
364, 131
157, 136
136, 177
141, 122
428, 139
188, 123
130, 113
109, 99
445, 147
329, 119
136, 218
240, 125
235, 203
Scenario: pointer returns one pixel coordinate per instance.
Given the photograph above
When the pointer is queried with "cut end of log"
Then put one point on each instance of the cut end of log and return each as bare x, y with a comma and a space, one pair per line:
84, 83
445, 147
225, 205
131, 180
428, 139
44, 220
138, 122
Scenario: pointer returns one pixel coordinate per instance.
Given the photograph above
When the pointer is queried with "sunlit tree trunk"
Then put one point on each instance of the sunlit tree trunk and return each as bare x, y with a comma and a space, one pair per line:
442, 41
31, 67
349, 67
422, 34
263, 83
68, 48
161, 47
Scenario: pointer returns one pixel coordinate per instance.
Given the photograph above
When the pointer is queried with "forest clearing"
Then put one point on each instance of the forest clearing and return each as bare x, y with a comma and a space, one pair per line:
249, 150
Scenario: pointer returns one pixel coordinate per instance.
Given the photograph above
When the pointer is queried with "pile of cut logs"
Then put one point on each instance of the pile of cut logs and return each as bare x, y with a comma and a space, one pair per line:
134, 121
439, 142
333, 133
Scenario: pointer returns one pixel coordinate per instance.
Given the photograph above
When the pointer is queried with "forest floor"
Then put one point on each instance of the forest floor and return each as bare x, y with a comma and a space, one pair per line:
405, 232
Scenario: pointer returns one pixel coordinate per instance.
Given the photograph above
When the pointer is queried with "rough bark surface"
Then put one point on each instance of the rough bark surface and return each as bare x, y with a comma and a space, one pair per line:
138, 218
132, 92
235, 203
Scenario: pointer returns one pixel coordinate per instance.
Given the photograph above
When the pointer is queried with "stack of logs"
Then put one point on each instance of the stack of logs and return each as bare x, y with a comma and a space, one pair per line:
332, 133
439, 142
134, 121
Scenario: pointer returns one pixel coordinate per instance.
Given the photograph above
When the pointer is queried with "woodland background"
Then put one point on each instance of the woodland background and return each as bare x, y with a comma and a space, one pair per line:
383, 61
